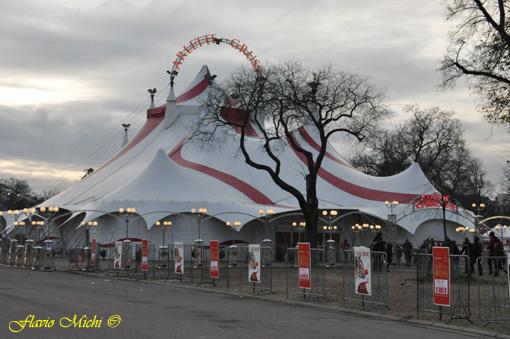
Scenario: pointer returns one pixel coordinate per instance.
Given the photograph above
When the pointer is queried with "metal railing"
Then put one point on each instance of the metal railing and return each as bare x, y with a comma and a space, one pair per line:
460, 287
317, 289
493, 289
379, 289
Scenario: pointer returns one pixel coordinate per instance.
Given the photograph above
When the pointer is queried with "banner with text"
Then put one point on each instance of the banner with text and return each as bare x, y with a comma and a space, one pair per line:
145, 255
362, 271
304, 265
441, 275
214, 251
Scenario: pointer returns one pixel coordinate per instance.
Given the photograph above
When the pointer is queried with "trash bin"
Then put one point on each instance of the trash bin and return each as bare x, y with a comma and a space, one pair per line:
36, 257
126, 255
11, 258
330, 252
267, 252
197, 253
163, 257
48, 257
29, 249
86, 253
20, 254
233, 255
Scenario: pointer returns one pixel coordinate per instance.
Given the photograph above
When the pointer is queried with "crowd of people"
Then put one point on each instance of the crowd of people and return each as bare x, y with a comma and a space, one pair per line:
494, 250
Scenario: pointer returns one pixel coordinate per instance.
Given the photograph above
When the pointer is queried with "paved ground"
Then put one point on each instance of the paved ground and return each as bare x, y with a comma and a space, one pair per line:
154, 311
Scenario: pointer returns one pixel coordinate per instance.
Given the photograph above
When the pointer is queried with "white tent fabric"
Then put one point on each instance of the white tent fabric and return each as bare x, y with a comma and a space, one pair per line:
160, 172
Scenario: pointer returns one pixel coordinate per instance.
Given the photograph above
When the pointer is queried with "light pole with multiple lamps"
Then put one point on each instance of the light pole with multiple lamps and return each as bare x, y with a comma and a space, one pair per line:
265, 215
126, 212
201, 213
296, 225
164, 225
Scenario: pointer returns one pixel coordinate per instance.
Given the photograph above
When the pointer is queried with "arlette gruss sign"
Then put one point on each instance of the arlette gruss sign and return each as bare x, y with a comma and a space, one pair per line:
435, 201
304, 266
214, 254
441, 275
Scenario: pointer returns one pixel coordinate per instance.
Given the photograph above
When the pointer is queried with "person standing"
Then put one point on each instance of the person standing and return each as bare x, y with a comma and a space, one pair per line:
398, 253
378, 245
408, 248
466, 250
476, 252
389, 255
345, 246
495, 249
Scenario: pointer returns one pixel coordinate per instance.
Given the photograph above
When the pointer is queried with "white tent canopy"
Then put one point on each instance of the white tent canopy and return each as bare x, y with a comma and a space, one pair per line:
160, 172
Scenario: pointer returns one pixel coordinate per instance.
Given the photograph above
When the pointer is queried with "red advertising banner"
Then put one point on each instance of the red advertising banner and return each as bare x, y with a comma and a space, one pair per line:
304, 266
93, 252
441, 275
145, 255
214, 252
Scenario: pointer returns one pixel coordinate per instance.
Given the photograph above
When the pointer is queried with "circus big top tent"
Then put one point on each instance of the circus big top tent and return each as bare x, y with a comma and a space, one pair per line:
163, 176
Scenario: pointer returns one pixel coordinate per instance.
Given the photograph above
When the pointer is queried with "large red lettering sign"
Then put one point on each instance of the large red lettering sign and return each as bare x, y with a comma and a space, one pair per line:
435, 201
441, 275
304, 266
208, 39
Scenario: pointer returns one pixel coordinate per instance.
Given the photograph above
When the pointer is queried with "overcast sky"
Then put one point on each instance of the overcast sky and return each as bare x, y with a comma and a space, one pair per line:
72, 71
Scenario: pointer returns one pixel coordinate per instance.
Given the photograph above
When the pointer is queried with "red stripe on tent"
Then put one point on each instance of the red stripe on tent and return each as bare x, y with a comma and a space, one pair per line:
243, 187
160, 111
359, 191
147, 129
238, 117
308, 138
193, 92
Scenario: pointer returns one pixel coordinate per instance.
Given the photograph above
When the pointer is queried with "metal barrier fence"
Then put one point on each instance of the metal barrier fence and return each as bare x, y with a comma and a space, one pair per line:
460, 287
318, 275
379, 289
493, 289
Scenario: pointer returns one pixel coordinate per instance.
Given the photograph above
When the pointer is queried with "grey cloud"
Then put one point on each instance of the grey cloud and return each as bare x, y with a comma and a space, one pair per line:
121, 48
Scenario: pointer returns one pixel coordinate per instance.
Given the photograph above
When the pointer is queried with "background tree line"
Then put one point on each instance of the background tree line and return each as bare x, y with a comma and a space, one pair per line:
434, 139
17, 194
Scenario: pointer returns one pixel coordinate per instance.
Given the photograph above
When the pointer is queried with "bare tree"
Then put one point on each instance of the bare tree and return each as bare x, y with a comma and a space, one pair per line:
506, 178
480, 51
434, 139
273, 103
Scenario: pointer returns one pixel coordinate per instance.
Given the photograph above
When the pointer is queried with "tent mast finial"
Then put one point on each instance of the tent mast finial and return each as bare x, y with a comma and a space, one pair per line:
152, 92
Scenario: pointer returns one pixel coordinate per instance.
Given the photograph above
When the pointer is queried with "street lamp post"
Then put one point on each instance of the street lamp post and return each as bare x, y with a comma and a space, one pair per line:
126, 212
265, 215
478, 216
201, 212
392, 217
501, 229
164, 224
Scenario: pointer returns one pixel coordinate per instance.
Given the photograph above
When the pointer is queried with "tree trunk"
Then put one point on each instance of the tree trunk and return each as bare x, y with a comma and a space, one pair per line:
311, 215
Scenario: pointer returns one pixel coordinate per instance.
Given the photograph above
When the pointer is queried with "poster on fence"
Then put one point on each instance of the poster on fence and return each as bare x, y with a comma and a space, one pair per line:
179, 258
441, 275
214, 254
93, 252
254, 263
304, 266
145, 255
117, 255
362, 271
